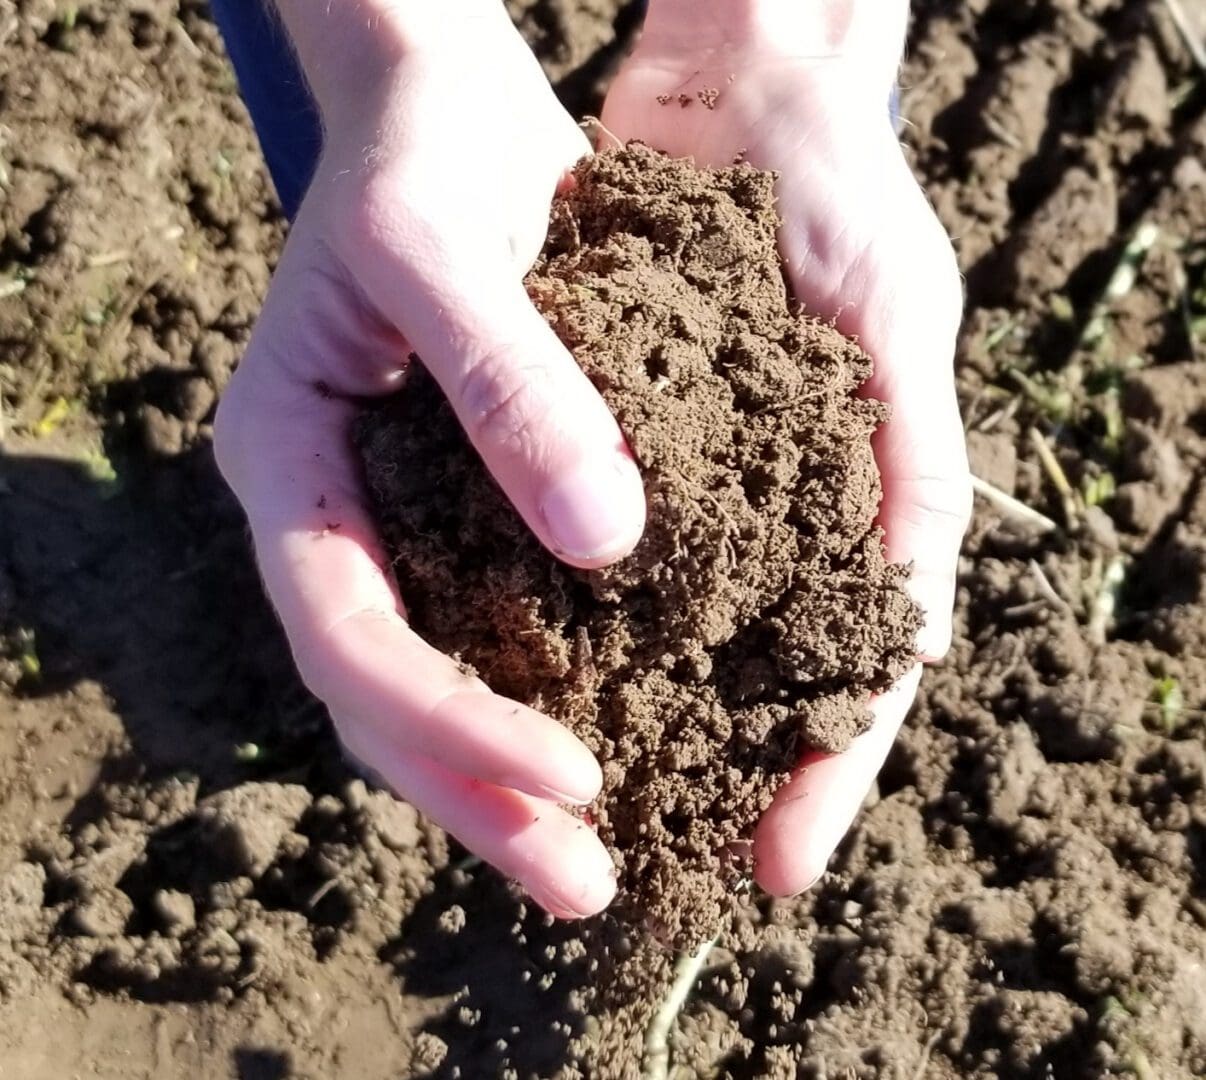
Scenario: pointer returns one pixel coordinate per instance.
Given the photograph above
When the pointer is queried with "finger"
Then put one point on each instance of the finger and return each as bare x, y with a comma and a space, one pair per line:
282, 441
902, 300
321, 564
539, 424
556, 857
922, 448
815, 808
926, 504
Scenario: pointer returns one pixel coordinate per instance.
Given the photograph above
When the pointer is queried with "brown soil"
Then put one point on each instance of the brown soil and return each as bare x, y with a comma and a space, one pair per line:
757, 615
1025, 894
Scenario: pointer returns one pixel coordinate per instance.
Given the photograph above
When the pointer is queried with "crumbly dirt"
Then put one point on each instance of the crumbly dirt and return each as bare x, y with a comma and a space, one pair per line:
757, 615
1025, 893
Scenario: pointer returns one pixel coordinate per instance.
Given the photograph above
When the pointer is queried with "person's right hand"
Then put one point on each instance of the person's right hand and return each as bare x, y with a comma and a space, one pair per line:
444, 146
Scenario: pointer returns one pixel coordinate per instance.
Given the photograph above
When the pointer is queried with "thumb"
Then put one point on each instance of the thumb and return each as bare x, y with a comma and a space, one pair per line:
539, 424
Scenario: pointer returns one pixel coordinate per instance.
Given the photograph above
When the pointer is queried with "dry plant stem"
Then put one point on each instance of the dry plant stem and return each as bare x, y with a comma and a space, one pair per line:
1046, 588
1012, 507
1106, 602
1193, 40
1059, 479
657, 1035
108, 258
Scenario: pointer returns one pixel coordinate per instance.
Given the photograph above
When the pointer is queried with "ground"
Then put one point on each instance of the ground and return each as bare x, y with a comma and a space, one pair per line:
191, 884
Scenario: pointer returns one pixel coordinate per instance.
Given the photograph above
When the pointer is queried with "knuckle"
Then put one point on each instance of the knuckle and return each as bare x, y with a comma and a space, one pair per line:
502, 401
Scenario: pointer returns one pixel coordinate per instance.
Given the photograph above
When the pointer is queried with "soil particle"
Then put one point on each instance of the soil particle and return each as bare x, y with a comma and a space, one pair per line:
176, 911
248, 824
757, 614
21, 894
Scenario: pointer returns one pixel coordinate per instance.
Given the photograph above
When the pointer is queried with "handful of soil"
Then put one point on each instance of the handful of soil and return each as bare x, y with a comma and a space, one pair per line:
757, 614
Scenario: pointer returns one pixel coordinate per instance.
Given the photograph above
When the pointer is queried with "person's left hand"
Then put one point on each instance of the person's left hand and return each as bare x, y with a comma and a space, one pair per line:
862, 247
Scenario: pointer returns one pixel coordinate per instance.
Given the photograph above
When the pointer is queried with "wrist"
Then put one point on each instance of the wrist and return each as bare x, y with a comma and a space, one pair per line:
350, 48
870, 32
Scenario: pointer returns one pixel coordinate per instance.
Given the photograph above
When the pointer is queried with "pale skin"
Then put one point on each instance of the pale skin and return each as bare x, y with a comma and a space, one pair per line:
444, 147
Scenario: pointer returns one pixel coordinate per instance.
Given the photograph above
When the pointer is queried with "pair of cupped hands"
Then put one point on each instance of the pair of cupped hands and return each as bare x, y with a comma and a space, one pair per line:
444, 146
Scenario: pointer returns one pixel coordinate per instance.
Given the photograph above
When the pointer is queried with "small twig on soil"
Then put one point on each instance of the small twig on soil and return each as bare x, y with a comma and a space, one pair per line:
320, 892
1106, 601
657, 1035
1004, 413
185, 38
1193, 39
1046, 588
1014, 508
1057, 476
107, 258
1121, 282
1002, 133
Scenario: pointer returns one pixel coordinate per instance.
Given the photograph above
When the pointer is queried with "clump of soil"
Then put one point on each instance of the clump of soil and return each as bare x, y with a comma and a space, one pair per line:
757, 614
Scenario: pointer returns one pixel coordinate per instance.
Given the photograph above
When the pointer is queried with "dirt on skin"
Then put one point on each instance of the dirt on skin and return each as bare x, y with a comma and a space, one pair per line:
757, 615
1024, 895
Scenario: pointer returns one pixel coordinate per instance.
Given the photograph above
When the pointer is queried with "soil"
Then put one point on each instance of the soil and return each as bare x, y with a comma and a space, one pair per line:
757, 615
192, 884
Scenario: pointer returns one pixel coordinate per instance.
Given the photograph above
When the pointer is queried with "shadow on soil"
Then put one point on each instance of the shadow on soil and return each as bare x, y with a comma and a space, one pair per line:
145, 584
256, 1064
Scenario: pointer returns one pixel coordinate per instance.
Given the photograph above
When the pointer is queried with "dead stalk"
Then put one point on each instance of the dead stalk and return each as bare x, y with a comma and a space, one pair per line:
1012, 507
1047, 589
1106, 601
657, 1035
1193, 39
1057, 476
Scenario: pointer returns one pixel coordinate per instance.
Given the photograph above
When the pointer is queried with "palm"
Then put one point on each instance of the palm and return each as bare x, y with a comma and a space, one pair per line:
863, 248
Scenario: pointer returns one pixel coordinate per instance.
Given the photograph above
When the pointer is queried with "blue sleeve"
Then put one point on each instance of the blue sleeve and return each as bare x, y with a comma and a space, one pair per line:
285, 116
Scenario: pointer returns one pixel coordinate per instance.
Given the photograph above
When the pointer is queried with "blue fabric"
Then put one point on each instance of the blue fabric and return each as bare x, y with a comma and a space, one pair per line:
285, 117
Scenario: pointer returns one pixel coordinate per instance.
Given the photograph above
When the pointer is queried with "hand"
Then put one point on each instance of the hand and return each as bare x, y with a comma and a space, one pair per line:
808, 96
444, 148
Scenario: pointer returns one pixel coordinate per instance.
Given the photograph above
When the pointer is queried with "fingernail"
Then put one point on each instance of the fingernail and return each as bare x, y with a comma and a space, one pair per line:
543, 791
812, 884
591, 512
589, 902
560, 796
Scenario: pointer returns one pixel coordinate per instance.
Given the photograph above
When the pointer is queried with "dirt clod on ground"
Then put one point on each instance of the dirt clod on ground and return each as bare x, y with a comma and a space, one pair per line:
758, 613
